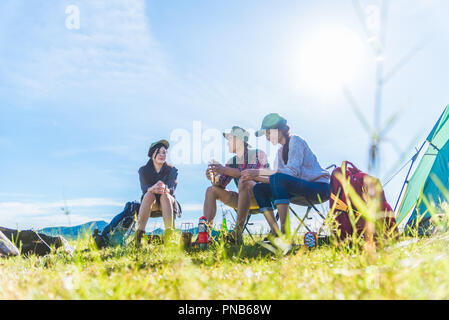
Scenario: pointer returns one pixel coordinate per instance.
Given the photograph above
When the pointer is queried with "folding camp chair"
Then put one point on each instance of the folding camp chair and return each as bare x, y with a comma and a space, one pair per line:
311, 205
251, 212
302, 201
297, 202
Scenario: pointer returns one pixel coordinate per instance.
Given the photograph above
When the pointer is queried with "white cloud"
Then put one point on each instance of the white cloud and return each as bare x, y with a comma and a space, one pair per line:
70, 152
20, 195
40, 207
407, 7
113, 52
192, 207
37, 214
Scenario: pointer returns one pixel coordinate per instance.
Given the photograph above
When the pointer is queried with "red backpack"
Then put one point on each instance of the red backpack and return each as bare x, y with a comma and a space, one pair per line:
357, 179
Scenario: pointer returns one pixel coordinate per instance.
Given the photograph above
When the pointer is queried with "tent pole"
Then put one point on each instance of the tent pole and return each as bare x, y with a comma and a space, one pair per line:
408, 174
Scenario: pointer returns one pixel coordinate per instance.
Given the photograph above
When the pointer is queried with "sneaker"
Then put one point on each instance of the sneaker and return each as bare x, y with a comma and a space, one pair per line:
155, 239
186, 239
99, 239
138, 238
168, 235
267, 238
232, 238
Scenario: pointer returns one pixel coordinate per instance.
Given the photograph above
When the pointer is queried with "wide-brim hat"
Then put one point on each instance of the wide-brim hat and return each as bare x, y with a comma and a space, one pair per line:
271, 121
239, 133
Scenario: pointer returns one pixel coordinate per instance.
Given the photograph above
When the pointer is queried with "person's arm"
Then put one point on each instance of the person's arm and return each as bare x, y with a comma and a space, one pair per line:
261, 170
232, 172
258, 175
172, 181
143, 183
262, 164
266, 172
226, 173
265, 180
145, 186
295, 158
223, 181
226, 170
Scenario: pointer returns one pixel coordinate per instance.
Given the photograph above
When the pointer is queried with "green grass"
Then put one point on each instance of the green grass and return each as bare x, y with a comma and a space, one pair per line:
407, 269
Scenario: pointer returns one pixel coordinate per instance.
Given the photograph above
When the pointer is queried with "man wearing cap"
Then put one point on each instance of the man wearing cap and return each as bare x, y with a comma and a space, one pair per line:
243, 201
158, 181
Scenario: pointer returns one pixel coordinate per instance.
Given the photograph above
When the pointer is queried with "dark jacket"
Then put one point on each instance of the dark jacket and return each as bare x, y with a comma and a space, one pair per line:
149, 177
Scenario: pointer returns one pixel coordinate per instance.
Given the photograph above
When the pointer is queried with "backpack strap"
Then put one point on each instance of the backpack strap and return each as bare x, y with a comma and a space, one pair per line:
339, 205
353, 170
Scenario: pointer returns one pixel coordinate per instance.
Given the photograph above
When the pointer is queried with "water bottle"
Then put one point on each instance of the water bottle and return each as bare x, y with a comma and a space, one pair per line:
203, 235
224, 224
215, 178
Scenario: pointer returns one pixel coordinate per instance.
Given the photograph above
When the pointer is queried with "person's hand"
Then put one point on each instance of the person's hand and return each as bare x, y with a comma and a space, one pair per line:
209, 174
217, 168
158, 188
243, 179
249, 174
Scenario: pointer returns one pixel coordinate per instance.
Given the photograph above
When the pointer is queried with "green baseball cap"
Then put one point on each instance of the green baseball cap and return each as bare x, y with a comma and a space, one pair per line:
238, 132
163, 142
154, 144
271, 121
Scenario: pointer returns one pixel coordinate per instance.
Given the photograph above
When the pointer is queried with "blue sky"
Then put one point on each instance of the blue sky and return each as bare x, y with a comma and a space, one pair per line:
79, 108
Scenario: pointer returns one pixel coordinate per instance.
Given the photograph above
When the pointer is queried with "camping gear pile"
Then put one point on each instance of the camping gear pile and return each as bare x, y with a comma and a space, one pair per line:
29, 242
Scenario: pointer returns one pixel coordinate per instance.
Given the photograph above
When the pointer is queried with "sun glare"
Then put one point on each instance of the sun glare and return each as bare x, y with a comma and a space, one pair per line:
329, 59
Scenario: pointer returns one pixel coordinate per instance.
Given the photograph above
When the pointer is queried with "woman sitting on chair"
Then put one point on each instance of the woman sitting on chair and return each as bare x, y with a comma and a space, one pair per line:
158, 183
297, 172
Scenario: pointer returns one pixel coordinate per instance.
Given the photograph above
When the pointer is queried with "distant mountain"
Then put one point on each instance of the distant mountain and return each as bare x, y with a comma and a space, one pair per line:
74, 232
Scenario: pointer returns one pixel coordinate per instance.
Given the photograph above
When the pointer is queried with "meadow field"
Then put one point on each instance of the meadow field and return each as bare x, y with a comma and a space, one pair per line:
410, 268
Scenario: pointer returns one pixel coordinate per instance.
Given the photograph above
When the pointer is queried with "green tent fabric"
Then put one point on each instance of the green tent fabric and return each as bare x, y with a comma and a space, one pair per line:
434, 166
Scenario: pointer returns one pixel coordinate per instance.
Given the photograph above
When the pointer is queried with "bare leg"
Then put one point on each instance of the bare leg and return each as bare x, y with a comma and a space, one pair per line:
167, 202
244, 203
283, 212
145, 209
213, 194
269, 215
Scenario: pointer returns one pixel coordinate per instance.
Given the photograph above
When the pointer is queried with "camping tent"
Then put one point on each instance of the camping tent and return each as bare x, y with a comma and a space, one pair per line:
432, 173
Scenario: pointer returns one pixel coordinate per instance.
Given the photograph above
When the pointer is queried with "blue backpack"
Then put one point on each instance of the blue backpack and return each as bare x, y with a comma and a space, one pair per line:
114, 233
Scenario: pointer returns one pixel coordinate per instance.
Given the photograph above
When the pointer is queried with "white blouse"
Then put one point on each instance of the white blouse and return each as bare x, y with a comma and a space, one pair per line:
302, 162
